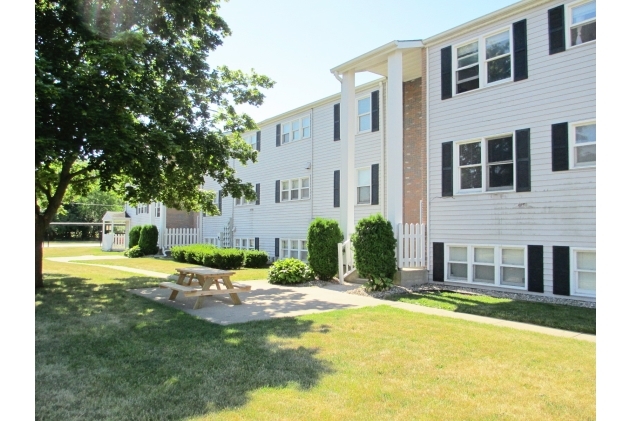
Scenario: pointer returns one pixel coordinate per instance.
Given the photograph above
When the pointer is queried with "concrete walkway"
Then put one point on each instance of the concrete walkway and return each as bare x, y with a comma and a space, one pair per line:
266, 301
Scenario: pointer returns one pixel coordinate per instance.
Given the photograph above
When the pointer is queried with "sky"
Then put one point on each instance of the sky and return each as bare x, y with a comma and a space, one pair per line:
297, 42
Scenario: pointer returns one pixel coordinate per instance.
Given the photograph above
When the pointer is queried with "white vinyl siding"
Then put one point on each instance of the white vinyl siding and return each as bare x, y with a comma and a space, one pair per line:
560, 209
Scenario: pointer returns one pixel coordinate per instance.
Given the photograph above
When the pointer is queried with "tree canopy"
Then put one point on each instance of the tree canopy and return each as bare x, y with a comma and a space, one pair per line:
124, 95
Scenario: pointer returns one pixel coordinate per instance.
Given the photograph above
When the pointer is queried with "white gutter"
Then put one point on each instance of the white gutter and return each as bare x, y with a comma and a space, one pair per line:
427, 171
337, 76
383, 146
359, 64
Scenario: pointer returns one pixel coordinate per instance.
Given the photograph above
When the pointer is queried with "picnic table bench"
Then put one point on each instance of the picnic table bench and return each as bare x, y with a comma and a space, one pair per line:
197, 282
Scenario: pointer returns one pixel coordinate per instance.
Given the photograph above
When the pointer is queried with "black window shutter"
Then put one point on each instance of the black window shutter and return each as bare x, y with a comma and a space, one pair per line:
445, 72
336, 122
374, 101
556, 29
258, 141
258, 193
520, 49
277, 191
522, 141
535, 268
256, 243
336, 188
276, 247
561, 270
560, 148
448, 174
374, 184
219, 200
278, 135
439, 262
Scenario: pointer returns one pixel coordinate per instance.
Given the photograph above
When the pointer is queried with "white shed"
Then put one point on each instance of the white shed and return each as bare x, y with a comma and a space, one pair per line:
115, 231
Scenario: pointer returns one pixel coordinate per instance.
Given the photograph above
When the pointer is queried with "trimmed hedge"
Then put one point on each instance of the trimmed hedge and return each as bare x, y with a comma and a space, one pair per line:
148, 240
322, 239
289, 271
134, 235
212, 256
374, 244
255, 259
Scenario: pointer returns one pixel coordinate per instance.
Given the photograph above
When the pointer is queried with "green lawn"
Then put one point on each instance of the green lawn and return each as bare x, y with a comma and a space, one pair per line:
576, 319
103, 353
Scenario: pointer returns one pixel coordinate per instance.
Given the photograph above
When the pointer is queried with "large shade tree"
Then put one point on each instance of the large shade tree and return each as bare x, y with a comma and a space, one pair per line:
125, 97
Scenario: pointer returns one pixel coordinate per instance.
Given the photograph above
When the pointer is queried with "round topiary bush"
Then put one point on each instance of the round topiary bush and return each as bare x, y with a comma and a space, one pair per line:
134, 235
133, 252
322, 239
373, 250
289, 271
148, 241
255, 259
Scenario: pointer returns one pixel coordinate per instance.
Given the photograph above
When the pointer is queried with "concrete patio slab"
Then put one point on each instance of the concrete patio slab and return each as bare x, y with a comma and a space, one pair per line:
265, 301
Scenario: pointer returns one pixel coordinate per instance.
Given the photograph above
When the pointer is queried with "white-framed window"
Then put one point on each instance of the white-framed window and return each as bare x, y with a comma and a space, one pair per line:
241, 201
211, 240
297, 129
364, 187
581, 22
251, 140
142, 209
364, 115
293, 248
504, 266
485, 165
583, 267
484, 61
244, 243
295, 189
582, 146
158, 207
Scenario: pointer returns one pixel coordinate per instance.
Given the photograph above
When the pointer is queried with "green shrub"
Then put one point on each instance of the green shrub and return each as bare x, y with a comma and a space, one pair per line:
289, 271
177, 252
148, 241
255, 259
373, 250
378, 284
322, 239
133, 252
134, 235
229, 259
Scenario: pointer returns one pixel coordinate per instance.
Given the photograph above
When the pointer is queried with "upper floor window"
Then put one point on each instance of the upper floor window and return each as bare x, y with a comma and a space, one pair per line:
364, 122
583, 144
582, 19
485, 164
297, 129
241, 201
474, 68
251, 140
158, 207
295, 189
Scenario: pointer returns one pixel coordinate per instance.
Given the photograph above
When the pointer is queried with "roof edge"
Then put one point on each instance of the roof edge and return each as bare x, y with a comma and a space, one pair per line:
484, 20
372, 54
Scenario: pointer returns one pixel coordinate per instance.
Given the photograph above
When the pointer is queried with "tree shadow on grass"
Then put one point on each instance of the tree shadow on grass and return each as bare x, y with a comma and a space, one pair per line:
558, 316
102, 353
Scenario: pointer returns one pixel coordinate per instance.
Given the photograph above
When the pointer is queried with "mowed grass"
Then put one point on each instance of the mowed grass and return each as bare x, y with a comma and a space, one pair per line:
576, 319
103, 353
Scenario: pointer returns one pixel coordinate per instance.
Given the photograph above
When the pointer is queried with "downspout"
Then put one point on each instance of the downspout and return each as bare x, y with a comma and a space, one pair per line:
428, 172
383, 147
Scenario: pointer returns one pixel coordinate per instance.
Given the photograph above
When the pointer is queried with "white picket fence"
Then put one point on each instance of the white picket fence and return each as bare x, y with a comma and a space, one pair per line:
411, 245
119, 242
180, 237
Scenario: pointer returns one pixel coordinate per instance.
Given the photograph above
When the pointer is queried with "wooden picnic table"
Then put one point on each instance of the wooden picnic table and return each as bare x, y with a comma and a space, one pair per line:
197, 282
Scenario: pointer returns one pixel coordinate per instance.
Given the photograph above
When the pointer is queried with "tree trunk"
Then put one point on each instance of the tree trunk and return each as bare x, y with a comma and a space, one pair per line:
40, 229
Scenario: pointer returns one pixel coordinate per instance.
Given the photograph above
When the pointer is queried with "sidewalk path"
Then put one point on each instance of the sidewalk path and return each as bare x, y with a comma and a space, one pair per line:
267, 301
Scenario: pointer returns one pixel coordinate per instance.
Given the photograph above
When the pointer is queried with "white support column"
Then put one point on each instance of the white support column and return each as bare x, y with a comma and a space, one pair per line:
163, 225
394, 139
347, 170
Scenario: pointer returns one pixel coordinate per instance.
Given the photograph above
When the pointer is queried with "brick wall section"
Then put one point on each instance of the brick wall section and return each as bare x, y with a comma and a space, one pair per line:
181, 219
414, 148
